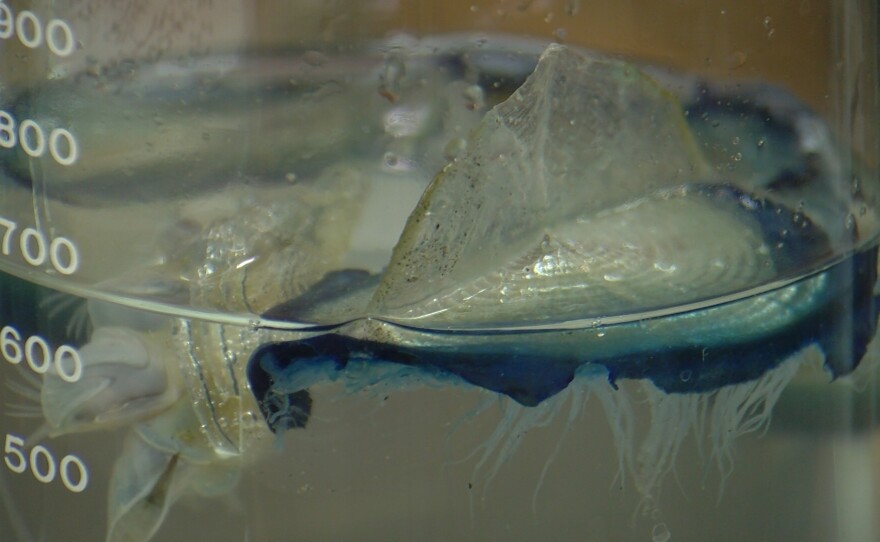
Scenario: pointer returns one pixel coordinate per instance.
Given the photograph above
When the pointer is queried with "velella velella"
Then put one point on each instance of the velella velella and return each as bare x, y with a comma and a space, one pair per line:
595, 231
587, 237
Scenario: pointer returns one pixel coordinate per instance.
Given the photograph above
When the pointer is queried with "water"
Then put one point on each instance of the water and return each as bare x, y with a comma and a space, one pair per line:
390, 449
256, 392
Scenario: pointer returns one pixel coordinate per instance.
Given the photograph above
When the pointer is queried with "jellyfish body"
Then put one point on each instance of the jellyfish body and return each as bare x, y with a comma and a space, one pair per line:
693, 352
699, 350
695, 374
586, 238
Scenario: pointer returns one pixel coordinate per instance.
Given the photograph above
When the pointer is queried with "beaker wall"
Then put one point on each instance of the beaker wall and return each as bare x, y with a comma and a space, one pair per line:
391, 269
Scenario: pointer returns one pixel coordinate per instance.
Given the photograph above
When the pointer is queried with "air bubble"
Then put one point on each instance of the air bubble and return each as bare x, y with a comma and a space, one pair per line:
405, 121
391, 160
206, 270
768, 25
389, 79
856, 186
475, 96
665, 267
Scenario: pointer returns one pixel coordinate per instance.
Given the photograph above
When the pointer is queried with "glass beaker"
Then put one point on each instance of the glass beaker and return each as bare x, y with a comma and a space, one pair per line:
391, 270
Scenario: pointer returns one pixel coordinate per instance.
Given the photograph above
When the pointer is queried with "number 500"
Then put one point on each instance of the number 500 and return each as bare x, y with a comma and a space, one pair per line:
40, 461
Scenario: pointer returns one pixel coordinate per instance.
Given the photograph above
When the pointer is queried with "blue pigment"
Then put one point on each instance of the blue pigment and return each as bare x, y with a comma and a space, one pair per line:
693, 352
841, 324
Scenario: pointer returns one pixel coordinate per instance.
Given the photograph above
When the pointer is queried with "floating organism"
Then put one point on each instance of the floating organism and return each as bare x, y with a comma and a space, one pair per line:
586, 238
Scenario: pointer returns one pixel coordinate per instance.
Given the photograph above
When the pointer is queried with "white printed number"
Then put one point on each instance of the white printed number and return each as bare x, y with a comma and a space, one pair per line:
39, 356
71, 470
32, 33
34, 140
36, 248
